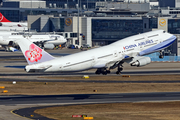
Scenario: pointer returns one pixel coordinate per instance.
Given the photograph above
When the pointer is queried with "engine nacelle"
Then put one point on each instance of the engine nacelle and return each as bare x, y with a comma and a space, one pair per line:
49, 46
141, 61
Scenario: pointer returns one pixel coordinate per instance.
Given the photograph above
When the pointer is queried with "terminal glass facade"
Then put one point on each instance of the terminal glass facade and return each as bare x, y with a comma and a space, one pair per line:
56, 24
113, 30
153, 23
174, 26
12, 15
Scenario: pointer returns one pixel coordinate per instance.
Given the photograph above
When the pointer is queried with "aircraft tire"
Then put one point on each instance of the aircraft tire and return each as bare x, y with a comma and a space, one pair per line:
120, 69
104, 73
161, 56
108, 71
118, 72
97, 72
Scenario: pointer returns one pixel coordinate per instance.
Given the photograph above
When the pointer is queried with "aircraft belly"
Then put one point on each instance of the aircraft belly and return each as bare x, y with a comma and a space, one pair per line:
100, 63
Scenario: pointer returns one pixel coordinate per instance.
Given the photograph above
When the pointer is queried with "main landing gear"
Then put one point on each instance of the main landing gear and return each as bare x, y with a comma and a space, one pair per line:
102, 71
120, 68
161, 55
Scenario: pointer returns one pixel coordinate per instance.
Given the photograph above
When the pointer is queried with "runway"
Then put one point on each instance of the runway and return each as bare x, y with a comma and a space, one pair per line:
11, 69
95, 98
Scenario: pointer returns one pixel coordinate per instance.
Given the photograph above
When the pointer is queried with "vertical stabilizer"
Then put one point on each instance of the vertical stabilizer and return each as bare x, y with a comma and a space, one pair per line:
32, 52
3, 19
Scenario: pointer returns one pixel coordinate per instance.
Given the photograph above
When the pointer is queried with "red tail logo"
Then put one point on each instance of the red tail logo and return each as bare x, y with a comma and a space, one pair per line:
3, 19
34, 53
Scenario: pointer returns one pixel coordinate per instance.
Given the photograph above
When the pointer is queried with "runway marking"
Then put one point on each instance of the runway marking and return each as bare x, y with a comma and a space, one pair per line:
13, 76
173, 95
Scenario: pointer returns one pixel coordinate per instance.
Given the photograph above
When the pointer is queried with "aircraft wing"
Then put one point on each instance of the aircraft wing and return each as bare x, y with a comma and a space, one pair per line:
124, 58
42, 41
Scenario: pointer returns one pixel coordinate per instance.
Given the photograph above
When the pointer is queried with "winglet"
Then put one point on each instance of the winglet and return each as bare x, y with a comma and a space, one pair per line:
3, 19
32, 52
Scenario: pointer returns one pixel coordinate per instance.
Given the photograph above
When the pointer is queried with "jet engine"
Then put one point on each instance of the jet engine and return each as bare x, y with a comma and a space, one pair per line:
49, 46
140, 61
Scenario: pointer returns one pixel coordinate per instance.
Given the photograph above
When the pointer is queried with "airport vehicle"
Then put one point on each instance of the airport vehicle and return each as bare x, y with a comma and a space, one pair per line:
12, 49
130, 50
6, 23
44, 41
71, 46
86, 46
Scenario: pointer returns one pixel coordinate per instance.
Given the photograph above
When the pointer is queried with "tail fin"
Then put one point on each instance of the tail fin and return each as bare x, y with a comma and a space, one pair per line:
3, 19
32, 52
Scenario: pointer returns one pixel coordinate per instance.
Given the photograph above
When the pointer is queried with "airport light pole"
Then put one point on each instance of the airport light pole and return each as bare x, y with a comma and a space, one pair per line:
87, 5
78, 22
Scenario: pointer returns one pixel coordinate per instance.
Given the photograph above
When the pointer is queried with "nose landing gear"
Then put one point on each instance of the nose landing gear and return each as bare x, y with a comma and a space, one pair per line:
161, 55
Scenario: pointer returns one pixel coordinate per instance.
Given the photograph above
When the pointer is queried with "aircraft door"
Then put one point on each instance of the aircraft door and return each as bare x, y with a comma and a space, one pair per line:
115, 53
61, 67
94, 60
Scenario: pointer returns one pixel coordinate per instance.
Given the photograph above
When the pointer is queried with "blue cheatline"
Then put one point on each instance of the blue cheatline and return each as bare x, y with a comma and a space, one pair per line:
21, 67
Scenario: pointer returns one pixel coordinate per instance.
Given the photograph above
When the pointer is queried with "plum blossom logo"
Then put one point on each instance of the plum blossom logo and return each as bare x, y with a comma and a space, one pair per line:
34, 53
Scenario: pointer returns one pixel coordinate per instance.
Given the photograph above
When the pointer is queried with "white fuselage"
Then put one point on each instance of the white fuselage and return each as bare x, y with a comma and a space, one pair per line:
9, 29
137, 45
48, 39
13, 24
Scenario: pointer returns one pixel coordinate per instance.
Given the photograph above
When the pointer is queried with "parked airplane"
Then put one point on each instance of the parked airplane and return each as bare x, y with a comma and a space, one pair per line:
45, 41
6, 23
130, 50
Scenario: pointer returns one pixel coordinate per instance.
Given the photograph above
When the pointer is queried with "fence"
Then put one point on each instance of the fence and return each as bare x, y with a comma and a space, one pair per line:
155, 57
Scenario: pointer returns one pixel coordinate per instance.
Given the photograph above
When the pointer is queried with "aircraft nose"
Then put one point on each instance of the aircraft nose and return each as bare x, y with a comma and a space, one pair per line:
65, 39
4, 42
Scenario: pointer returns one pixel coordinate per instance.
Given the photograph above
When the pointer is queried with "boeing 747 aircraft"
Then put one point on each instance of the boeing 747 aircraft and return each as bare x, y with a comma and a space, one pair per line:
130, 50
